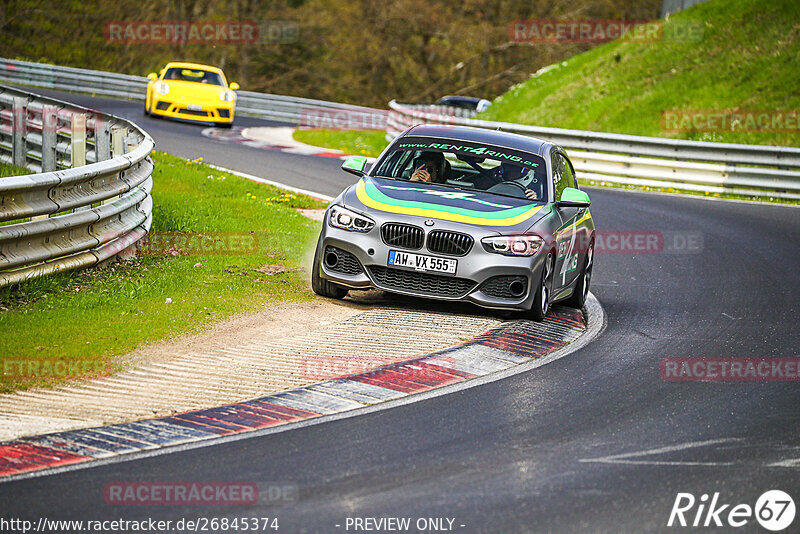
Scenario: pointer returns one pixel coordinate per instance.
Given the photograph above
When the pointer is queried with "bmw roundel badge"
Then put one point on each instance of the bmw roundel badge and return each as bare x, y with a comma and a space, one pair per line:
429, 222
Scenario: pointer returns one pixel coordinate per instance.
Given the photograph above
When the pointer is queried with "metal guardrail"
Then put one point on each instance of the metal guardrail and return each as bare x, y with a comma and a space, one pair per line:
89, 198
753, 170
294, 110
72, 79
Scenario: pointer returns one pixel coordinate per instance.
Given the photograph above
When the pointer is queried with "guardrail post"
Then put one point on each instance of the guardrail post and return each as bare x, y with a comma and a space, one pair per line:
49, 141
78, 127
19, 150
118, 147
117, 141
130, 142
102, 139
49, 137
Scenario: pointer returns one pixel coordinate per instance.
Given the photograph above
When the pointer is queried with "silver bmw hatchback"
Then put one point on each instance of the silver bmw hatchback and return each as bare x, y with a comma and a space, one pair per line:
462, 214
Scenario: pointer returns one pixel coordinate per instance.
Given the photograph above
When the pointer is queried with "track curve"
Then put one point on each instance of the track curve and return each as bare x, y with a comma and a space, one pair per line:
596, 441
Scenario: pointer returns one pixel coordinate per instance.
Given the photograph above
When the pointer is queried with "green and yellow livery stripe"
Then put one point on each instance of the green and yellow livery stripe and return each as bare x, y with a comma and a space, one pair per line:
372, 196
586, 216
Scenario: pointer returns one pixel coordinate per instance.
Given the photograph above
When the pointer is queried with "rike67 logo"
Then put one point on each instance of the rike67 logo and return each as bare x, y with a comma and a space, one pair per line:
774, 510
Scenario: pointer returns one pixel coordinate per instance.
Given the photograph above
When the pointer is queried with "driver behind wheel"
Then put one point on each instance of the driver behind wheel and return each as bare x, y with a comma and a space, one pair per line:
508, 172
428, 168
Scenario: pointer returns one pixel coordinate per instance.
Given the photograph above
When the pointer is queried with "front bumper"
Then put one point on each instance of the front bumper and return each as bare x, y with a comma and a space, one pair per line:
481, 277
222, 112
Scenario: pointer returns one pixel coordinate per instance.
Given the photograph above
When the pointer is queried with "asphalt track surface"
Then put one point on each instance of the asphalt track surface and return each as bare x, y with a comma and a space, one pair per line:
595, 441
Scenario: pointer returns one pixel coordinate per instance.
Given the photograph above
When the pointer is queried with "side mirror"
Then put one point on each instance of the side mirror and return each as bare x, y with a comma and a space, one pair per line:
573, 198
152, 76
234, 86
355, 165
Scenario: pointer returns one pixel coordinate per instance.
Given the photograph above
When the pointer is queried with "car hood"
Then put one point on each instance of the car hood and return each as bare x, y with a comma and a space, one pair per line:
443, 203
194, 89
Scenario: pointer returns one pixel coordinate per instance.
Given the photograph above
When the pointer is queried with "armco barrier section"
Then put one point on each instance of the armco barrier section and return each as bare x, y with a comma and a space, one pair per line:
753, 170
89, 197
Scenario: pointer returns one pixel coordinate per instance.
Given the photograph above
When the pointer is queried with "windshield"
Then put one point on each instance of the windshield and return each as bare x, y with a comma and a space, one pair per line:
194, 75
465, 165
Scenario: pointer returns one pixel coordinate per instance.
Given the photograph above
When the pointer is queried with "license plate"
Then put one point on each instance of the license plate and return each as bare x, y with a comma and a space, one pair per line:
194, 107
418, 262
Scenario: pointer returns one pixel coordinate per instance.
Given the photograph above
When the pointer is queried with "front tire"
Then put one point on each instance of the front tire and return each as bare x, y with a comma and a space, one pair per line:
578, 298
324, 287
541, 302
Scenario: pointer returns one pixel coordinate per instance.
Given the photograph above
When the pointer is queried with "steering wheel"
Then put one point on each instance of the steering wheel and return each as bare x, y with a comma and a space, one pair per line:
508, 188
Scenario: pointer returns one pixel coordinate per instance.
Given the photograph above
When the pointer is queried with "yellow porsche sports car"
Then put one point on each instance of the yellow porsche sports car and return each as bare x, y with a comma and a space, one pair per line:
193, 92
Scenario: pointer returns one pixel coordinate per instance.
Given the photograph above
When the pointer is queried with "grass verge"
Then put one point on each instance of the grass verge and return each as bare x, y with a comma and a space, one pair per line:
12, 170
741, 56
84, 319
7, 170
354, 142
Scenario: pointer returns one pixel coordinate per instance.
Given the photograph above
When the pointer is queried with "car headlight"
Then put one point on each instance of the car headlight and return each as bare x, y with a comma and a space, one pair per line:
226, 96
513, 245
346, 219
162, 88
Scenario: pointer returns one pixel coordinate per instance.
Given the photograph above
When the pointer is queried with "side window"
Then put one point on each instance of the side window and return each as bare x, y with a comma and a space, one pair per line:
563, 174
405, 165
398, 164
559, 178
569, 173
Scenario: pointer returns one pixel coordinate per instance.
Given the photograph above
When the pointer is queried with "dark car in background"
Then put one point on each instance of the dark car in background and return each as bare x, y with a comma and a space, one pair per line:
465, 102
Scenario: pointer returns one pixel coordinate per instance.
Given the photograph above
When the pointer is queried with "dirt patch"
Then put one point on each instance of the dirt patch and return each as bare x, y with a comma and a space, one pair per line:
272, 270
269, 270
271, 323
317, 215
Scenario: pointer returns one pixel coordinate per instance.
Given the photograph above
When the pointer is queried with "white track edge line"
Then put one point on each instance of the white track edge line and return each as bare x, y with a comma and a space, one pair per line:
253, 178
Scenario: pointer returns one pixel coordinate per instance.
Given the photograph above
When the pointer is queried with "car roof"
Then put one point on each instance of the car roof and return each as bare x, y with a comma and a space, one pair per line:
474, 99
180, 64
482, 135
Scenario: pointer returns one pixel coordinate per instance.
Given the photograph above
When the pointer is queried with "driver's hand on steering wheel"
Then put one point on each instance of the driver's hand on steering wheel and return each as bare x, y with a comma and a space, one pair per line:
531, 194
